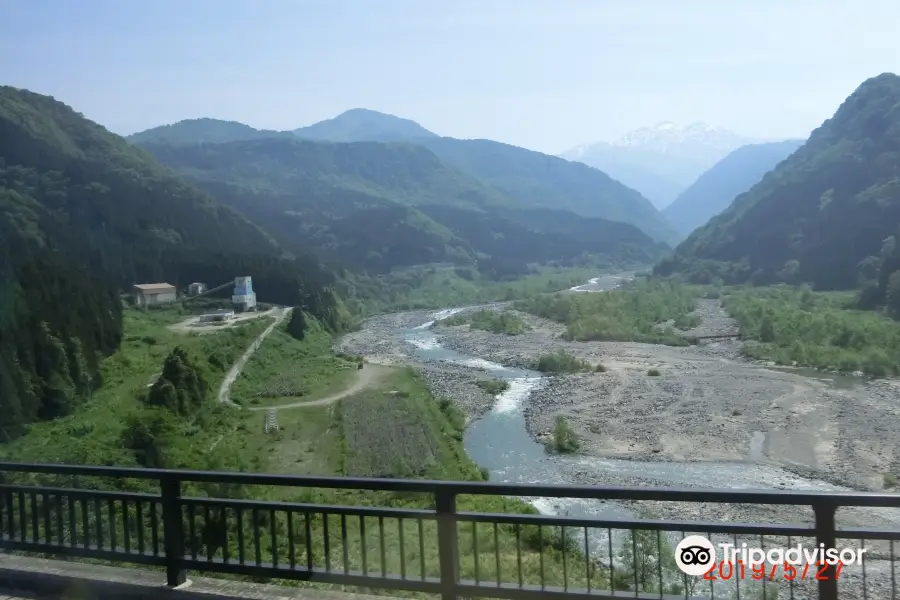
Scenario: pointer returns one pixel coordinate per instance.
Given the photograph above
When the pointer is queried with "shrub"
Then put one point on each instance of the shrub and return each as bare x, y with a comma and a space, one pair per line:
564, 439
560, 362
653, 373
493, 386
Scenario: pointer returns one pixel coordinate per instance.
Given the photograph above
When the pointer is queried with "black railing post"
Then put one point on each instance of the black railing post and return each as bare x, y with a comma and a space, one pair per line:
448, 547
826, 534
173, 529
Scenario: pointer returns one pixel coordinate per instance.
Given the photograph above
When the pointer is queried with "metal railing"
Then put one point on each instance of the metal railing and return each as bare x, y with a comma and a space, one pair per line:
431, 545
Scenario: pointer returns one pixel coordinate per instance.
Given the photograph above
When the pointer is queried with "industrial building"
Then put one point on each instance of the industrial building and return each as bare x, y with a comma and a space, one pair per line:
244, 297
151, 294
195, 289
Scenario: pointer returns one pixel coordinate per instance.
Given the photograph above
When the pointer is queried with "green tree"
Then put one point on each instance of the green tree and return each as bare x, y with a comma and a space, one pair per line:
149, 435
297, 325
648, 556
181, 388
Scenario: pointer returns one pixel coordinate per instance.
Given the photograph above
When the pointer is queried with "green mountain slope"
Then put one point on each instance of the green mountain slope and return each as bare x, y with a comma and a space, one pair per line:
363, 125
84, 214
538, 180
716, 188
195, 131
821, 211
379, 206
532, 179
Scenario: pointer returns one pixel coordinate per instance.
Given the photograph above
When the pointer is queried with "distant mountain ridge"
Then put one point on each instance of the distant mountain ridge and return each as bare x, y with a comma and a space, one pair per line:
660, 161
364, 125
201, 131
715, 189
375, 207
522, 177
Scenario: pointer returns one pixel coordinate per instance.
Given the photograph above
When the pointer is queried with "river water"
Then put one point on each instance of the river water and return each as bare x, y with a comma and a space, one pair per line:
499, 442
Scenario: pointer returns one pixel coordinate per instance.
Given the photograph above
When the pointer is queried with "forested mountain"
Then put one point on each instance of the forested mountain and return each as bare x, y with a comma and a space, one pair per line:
375, 206
823, 215
716, 188
84, 214
363, 125
485, 170
539, 181
196, 131
531, 179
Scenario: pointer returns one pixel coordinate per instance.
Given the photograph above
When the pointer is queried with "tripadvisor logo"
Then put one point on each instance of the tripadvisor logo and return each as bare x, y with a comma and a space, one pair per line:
695, 555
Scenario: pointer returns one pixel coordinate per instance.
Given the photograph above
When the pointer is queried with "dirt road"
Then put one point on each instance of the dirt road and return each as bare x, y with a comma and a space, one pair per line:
369, 375
237, 367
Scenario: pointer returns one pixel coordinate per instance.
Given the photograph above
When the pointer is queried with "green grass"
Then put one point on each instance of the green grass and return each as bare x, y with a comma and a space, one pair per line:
631, 314
285, 369
93, 433
795, 326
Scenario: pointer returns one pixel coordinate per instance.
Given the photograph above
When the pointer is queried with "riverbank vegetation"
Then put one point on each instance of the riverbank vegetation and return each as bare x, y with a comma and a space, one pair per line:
634, 313
494, 321
796, 326
493, 386
564, 440
560, 362
440, 287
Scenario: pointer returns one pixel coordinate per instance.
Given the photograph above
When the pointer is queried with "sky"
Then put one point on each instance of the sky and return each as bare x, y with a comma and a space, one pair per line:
542, 74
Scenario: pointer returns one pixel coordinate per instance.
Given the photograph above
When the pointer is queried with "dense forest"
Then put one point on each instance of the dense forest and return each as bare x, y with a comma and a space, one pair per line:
827, 215
376, 207
83, 216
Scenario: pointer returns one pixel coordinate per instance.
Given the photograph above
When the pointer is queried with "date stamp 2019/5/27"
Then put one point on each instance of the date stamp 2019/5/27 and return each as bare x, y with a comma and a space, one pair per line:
725, 571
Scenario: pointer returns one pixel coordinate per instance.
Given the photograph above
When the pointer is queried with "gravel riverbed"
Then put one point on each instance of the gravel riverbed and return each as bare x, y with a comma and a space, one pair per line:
708, 407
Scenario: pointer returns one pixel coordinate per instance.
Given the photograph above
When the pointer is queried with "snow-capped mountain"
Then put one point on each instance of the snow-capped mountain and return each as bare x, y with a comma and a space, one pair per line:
660, 161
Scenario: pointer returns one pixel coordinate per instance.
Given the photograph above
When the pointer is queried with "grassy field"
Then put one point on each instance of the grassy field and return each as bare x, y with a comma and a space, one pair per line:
631, 314
815, 329
285, 370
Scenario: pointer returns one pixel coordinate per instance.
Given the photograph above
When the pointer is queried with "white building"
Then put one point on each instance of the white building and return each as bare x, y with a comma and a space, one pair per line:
151, 294
196, 289
244, 297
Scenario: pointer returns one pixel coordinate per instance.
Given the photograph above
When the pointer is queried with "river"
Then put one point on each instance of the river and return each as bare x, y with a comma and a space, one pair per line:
499, 442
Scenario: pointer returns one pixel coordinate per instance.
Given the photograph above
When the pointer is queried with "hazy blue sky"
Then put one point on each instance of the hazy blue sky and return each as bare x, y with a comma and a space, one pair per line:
544, 74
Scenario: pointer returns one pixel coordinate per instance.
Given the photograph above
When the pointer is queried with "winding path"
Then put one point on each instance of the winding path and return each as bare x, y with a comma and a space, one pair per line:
369, 375
238, 366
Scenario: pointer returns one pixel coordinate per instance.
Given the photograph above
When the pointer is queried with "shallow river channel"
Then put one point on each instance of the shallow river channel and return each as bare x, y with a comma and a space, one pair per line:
499, 441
